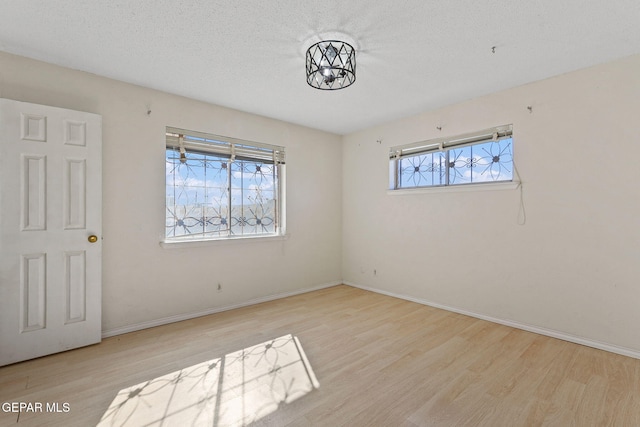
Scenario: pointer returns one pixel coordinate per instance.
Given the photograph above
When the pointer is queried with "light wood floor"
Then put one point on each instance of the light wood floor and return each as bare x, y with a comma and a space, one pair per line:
379, 361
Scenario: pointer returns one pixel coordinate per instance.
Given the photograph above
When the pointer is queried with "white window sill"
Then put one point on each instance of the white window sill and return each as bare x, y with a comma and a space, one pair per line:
492, 186
196, 243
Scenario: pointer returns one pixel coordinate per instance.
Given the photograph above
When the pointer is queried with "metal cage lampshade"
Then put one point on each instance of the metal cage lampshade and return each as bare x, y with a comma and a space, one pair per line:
331, 65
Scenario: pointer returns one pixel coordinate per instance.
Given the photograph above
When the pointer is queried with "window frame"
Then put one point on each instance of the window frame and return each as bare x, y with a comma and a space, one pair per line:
236, 150
443, 146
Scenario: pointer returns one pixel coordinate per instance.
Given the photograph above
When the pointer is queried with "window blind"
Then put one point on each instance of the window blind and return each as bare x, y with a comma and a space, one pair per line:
224, 146
441, 144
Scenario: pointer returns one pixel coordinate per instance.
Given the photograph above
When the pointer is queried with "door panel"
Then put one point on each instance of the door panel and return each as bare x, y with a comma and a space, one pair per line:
50, 203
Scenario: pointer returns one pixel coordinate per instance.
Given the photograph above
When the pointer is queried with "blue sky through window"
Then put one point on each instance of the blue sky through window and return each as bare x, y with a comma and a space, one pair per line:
489, 161
211, 196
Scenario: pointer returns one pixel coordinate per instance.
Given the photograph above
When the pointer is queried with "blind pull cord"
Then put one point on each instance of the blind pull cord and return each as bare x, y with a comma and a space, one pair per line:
522, 214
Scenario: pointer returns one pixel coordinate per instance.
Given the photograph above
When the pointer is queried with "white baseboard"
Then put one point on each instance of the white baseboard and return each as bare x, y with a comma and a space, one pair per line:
530, 328
187, 316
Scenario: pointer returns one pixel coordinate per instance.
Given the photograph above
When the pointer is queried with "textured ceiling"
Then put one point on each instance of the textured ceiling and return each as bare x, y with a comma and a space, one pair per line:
412, 55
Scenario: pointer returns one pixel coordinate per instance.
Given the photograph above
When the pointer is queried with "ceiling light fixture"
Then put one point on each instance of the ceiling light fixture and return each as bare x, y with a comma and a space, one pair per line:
331, 65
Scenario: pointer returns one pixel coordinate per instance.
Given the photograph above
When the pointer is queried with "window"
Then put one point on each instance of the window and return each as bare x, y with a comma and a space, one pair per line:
480, 157
219, 187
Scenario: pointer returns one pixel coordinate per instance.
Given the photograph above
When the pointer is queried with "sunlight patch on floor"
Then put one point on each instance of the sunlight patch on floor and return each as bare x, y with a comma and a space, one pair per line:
234, 390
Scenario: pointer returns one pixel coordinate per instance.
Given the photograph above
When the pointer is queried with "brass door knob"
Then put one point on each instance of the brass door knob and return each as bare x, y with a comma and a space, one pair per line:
93, 239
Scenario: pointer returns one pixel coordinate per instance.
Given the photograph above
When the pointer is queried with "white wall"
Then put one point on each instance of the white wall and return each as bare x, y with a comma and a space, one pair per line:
143, 282
573, 267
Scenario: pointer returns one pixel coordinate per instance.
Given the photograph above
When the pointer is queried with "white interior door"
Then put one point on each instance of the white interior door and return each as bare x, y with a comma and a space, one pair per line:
50, 209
